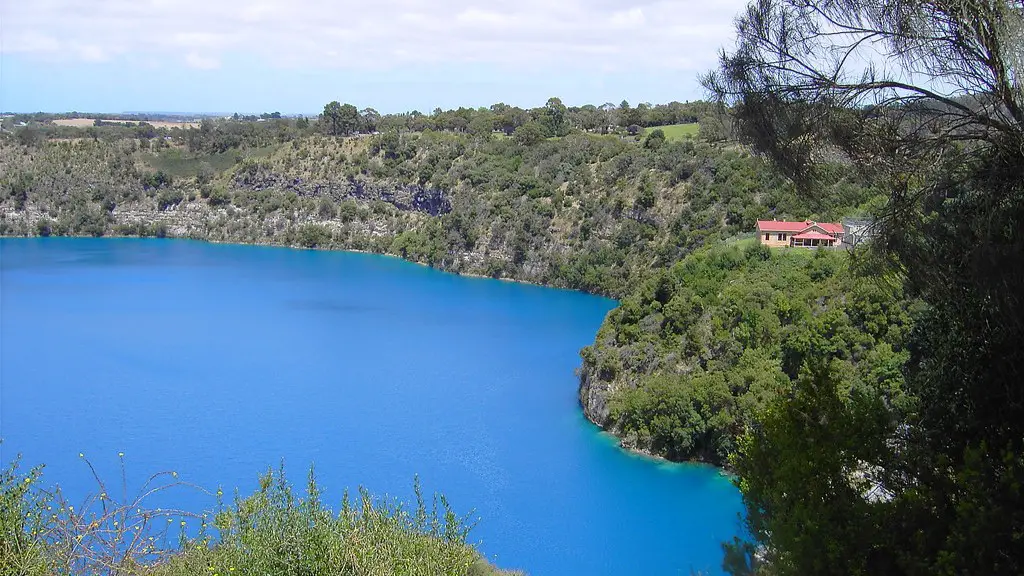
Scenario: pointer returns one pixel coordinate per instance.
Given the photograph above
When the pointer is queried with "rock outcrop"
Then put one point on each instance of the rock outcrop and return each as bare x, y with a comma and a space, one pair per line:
405, 197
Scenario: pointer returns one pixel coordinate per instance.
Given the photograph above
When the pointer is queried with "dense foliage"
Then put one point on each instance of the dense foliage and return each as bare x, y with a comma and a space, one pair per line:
695, 354
939, 129
273, 531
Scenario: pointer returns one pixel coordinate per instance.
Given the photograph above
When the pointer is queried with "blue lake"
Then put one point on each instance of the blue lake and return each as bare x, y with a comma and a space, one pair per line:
219, 361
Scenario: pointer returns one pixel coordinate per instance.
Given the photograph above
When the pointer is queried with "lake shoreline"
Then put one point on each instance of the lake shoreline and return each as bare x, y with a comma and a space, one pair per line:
580, 386
375, 371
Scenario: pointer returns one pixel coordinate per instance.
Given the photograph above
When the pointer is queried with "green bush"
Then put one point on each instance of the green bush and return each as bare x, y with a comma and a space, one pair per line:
169, 198
273, 531
313, 236
23, 515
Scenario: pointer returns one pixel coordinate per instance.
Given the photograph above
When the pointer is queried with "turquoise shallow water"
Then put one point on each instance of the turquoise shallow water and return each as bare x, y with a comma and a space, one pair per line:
218, 361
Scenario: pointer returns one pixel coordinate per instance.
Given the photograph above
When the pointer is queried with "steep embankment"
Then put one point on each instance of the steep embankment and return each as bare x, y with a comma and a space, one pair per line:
691, 357
601, 214
584, 211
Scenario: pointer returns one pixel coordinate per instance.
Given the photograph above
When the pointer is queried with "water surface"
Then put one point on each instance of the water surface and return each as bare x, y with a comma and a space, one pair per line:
218, 361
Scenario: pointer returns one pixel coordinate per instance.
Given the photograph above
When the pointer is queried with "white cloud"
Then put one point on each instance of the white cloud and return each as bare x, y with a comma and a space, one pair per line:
91, 53
196, 60
598, 34
632, 18
31, 42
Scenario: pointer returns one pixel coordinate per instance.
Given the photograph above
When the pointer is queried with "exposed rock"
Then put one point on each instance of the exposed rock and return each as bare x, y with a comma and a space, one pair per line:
405, 197
593, 394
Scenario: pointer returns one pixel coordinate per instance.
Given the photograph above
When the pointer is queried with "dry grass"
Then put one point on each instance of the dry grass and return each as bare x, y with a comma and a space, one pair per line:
86, 122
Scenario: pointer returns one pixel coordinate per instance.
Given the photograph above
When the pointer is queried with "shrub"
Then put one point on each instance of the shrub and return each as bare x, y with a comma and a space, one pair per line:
313, 235
273, 531
169, 198
218, 196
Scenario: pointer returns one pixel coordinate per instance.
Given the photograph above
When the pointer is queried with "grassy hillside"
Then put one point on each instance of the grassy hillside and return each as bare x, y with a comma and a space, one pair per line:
674, 132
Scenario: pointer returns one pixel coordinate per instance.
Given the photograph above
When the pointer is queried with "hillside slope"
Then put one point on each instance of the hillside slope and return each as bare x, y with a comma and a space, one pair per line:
602, 214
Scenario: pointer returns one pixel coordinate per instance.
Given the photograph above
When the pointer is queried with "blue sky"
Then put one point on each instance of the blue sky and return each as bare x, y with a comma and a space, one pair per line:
393, 55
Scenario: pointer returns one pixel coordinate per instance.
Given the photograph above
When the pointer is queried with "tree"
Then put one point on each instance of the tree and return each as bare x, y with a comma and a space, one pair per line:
590, 118
555, 117
330, 119
482, 123
529, 134
509, 118
623, 114
340, 119
349, 119
370, 120
938, 126
655, 139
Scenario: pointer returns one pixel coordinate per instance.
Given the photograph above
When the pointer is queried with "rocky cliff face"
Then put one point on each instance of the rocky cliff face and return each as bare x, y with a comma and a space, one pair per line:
593, 395
405, 197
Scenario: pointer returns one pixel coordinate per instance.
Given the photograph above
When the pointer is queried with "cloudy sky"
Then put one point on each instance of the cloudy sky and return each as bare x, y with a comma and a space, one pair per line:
394, 55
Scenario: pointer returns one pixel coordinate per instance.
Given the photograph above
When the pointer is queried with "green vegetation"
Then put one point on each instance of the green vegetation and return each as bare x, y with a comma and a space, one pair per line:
181, 164
696, 353
677, 131
870, 403
840, 479
273, 531
581, 210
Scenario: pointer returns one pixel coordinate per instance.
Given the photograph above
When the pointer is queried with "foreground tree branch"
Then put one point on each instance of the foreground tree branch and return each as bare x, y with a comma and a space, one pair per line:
924, 99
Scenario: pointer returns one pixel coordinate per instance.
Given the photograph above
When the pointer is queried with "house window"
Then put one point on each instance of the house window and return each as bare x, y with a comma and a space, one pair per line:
767, 237
781, 237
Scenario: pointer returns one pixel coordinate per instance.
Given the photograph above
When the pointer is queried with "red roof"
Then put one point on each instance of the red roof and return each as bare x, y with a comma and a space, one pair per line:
813, 236
781, 226
784, 226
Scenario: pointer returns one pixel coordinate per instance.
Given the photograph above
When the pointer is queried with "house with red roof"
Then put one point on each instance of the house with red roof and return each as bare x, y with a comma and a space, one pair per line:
806, 234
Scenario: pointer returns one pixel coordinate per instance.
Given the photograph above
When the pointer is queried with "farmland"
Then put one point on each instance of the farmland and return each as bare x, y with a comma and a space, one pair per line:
86, 122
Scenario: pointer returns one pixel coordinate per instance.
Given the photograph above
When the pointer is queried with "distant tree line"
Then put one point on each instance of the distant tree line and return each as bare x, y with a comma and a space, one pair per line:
552, 119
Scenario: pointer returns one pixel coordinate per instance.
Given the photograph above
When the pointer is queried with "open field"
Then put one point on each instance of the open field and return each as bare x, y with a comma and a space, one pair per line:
677, 131
181, 164
86, 122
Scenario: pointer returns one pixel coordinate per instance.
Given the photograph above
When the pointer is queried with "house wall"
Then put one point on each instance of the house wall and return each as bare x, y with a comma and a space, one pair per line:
773, 240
